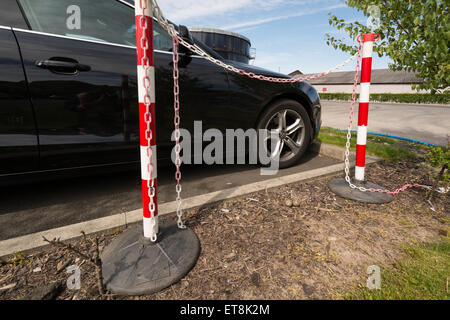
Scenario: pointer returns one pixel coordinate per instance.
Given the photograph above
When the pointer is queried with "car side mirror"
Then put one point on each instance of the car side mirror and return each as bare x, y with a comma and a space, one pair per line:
185, 34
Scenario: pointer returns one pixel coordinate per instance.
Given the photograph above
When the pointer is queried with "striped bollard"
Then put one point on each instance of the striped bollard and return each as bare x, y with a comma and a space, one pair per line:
147, 116
145, 260
364, 97
340, 186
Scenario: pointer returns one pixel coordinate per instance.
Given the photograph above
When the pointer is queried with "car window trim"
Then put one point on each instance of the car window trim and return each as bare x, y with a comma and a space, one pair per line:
86, 40
126, 3
72, 38
5, 28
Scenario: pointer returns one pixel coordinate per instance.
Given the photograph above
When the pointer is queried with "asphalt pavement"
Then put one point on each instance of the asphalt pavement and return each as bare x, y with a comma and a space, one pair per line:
426, 123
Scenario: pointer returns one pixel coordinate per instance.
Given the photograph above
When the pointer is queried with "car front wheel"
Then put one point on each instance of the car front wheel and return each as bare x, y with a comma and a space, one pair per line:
289, 122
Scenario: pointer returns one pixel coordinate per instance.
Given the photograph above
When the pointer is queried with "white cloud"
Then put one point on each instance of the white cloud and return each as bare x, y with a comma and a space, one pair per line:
282, 17
182, 11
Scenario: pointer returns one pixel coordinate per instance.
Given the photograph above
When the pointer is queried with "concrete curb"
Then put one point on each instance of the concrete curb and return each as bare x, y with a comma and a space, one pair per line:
33, 241
331, 151
338, 153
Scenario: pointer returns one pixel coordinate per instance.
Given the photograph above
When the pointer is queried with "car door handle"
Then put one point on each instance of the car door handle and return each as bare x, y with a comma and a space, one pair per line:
63, 66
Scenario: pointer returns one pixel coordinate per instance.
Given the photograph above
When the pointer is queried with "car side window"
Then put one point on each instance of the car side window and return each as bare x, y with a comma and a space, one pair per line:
10, 15
161, 39
100, 20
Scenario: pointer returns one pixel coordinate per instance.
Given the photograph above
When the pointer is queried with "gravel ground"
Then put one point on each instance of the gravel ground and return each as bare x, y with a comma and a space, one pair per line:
299, 241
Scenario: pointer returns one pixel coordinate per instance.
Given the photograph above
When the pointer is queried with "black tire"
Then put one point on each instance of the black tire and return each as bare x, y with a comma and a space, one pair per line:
294, 110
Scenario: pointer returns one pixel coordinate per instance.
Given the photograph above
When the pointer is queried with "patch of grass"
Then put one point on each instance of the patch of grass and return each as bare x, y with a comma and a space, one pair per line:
389, 152
423, 275
377, 146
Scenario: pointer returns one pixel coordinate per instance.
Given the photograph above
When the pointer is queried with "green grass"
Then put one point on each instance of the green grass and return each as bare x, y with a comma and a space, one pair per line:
377, 146
424, 274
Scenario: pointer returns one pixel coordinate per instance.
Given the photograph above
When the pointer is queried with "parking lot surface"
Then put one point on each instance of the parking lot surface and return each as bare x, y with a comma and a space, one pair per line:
426, 123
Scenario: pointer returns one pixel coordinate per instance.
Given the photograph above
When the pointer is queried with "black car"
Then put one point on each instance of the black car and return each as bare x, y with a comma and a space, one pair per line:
68, 96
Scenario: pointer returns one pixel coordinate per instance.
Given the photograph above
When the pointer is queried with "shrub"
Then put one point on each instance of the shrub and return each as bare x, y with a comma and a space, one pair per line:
443, 98
439, 157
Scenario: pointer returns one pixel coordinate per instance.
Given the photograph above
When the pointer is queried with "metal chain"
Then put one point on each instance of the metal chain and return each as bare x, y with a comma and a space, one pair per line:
350, 122
176, 107
145, 62
197, 50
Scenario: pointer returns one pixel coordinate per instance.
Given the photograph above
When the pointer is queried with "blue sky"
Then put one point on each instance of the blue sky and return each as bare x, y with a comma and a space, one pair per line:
287, 34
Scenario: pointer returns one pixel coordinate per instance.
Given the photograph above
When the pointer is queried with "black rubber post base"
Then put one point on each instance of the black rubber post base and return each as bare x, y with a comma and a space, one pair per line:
132, 265
341, 188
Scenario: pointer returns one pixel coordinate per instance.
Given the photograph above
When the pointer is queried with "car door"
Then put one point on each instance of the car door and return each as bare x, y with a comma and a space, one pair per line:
18, 136
82, 78
83, 83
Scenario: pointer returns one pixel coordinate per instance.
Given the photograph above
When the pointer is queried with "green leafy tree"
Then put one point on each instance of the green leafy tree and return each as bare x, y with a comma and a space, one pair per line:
415, 34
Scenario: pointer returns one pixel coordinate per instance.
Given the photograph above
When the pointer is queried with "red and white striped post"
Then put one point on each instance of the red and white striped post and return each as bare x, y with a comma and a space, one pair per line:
360, 189
149, 268
364, 97
147, 119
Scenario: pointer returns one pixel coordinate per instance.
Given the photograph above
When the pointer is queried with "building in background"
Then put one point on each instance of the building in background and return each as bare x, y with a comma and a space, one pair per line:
383, 81
296, 74
230, 45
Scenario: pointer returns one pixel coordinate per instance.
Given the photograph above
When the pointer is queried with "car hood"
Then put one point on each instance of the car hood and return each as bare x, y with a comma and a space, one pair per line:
257, 70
